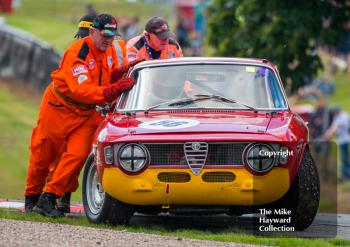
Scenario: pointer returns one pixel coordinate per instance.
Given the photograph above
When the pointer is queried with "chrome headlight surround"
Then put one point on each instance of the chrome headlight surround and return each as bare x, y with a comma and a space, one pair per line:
257, 159
282, 153
108, 152
283, 159
133, 157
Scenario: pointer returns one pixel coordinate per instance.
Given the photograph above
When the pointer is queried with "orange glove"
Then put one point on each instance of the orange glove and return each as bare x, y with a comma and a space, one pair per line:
119, 72
123, 84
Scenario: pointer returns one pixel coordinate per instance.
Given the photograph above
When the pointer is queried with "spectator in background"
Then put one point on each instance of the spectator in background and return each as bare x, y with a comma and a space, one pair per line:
320, 121
90, 9
154, 43
325, 85
198, 34
196, 43
182, 34
132, 29
341, 126
318, 89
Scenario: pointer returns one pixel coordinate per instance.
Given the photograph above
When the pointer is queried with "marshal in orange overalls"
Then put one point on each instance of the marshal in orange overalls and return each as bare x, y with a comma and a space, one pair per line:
120, 48
67, 115
137, 49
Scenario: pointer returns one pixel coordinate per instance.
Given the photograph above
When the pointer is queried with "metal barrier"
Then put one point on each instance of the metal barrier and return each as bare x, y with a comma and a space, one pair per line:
24, 57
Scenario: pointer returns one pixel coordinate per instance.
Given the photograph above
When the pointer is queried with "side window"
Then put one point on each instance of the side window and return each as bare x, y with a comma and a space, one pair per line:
275, 92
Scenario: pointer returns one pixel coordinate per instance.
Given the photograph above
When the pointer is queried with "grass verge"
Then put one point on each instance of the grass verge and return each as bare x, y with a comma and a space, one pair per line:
17, 118
18, 113
229, 235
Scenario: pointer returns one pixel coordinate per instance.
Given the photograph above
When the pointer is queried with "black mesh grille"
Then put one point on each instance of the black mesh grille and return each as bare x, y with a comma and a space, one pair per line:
167, 154
212, 177
225, 154
219, 154
174, 177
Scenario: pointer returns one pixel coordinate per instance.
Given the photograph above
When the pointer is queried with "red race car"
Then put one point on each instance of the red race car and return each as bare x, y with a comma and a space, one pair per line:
202, 135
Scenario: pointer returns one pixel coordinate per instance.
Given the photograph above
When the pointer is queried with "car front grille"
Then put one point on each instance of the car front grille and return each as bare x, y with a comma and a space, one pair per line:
196, 155
184, 177
218, 154
214, 177
174, 177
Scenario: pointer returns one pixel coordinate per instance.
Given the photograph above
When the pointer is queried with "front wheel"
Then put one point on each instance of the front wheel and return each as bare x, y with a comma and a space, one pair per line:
303, 196
98, 205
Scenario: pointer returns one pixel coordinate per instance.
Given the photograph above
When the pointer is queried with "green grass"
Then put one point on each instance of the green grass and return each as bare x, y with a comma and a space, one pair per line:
55, 21
17, 118
229, 235
341, 97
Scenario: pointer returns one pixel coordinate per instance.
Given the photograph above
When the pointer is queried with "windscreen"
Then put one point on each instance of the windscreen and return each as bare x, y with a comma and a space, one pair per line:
252, 85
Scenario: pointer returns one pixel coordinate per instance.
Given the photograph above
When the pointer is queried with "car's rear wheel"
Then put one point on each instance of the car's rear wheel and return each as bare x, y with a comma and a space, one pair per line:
98, 205
303, 196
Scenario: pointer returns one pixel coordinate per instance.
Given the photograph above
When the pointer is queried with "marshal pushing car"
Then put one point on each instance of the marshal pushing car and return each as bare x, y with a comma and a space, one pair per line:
201, 135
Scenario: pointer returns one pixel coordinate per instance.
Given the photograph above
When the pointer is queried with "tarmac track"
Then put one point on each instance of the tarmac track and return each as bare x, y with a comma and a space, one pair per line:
324, 225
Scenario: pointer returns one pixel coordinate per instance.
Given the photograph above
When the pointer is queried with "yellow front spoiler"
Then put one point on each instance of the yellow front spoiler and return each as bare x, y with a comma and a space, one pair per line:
146, 189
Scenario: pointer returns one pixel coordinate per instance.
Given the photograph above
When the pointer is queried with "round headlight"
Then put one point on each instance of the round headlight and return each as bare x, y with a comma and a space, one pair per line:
133, 157
260, 157
283, 157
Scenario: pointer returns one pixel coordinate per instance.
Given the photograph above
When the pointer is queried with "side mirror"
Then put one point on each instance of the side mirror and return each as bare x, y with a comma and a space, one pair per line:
102, 110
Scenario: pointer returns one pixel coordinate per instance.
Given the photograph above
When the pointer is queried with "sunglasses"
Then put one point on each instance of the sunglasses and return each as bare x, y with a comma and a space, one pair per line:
106, 33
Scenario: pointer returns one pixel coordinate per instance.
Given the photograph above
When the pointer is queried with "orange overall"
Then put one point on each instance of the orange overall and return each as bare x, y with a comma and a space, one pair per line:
120, 48
137, 49
67, 117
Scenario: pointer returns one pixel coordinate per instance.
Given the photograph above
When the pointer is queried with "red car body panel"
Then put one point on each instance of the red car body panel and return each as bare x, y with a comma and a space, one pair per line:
281, 127
241, 126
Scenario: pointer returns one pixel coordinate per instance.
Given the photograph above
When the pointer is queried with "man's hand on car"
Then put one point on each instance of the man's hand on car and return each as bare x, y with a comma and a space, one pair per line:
119, 72
123, 84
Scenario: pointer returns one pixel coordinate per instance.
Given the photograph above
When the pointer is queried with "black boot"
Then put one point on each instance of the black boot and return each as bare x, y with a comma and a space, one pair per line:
63, 203
30, 202
46, 206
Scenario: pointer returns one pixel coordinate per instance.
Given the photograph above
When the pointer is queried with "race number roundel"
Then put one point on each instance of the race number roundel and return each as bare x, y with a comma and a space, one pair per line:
167, 124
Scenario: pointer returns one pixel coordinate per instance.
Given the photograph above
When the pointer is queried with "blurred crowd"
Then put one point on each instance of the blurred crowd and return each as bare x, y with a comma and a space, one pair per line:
323, 117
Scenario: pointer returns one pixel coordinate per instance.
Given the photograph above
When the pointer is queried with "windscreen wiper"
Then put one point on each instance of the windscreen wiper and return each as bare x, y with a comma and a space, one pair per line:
197, 98
167, 103
202, 97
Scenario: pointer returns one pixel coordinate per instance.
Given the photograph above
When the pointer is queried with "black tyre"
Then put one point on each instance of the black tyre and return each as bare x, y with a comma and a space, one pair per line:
303, 197
98, 205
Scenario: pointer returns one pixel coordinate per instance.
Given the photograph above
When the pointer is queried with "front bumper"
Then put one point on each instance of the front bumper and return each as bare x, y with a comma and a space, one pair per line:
146, 189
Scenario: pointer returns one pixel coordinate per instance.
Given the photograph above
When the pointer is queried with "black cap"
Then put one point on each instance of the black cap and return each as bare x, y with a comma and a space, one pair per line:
85, 23
107, 24
156, 23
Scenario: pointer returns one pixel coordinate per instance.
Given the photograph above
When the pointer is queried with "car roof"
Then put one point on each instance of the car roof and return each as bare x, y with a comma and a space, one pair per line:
209, 60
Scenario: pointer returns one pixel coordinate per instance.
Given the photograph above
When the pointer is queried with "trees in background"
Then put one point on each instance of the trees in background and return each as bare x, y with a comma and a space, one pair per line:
285, 32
